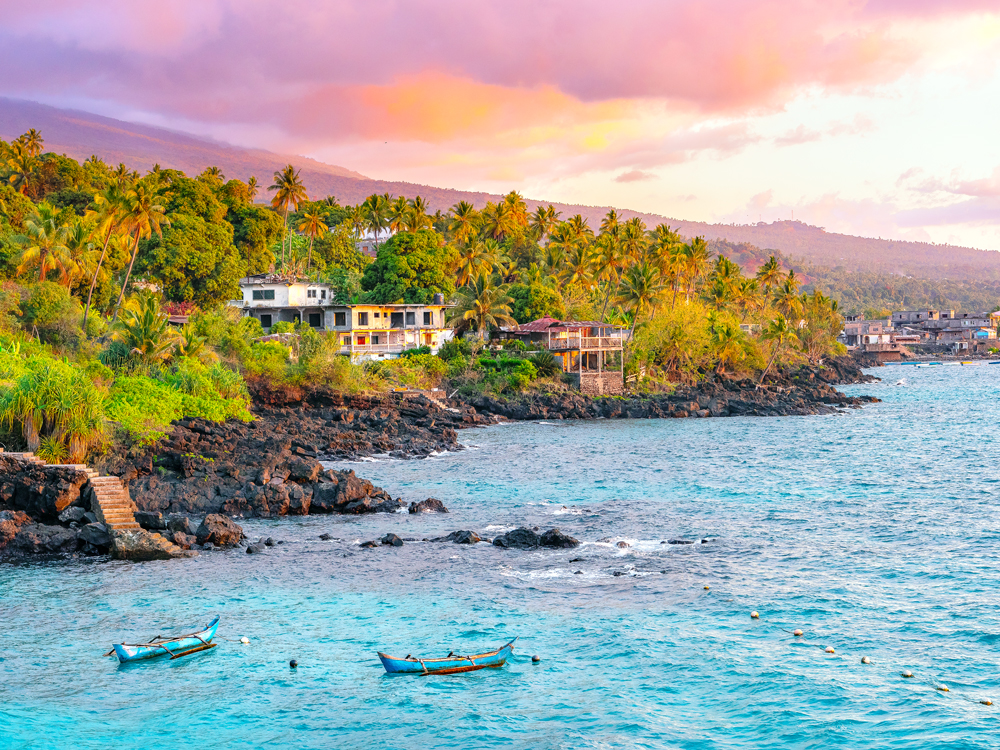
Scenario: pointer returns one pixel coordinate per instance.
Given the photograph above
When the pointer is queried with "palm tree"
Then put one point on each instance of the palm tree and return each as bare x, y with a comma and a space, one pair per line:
578, 229
608, 266
356, 220
578, 266
542, 221
786, 299
22, 167
215, 174
312, 225
80, 247
747, 297
192, 346
769, 275
398, 210
640, 290
252, 188
728, 342
518, 208
561, 241
482, 306
611, 223
499, 220
476, 259
634, 239
45, 243
144, 329
32, 142
416, 216
289, 192
779, 333
695, 259
463, 221
110, 205
142, 216
376, 214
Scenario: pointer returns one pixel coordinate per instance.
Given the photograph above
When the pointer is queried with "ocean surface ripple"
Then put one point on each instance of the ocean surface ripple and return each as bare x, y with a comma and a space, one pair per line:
875, 532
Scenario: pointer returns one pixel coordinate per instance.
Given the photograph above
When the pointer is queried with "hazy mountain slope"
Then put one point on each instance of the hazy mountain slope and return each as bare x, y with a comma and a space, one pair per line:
79, 134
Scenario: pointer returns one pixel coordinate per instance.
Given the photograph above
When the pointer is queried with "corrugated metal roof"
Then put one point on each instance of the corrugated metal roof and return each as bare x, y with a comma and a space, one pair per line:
544, 324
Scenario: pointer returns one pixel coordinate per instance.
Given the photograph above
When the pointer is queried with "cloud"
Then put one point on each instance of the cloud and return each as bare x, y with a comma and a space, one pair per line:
634, 175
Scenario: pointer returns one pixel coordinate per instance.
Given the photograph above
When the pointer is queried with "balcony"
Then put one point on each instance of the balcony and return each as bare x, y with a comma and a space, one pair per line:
585, 343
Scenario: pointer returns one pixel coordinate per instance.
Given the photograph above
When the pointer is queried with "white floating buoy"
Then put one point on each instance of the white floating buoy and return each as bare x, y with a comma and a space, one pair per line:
797, 633
865, 660
535, 659
754, 615
244, 640
942, 688
829, 650
986, 702
907, 673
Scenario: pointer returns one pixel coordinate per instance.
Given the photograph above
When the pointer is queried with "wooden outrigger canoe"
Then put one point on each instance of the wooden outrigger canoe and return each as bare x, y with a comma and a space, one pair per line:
450, 664
175, 646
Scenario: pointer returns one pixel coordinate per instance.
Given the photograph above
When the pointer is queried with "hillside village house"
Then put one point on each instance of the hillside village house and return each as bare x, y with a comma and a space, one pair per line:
591, 352
365, 331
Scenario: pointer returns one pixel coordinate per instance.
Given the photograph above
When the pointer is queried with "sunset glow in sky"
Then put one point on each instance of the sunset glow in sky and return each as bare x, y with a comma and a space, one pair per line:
878, 118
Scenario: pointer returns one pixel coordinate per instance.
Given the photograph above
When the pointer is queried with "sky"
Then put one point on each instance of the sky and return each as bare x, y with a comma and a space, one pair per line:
870, 117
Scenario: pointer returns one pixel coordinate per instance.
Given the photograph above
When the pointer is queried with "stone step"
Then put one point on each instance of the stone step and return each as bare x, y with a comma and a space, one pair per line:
119, 500
125, 526
117, 512
102, 481
111, 494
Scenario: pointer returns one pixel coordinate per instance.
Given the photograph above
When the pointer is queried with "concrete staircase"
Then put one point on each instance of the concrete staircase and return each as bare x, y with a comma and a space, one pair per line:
112, 504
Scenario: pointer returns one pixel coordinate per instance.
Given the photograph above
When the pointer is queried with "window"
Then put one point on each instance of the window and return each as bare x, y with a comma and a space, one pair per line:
265, 321
311, 293
374, 339
411, 319
396, 320
315, 320
362, 318
361, 340
347, 340
340, 319
428, 318
324, 294
377, 314
263, 294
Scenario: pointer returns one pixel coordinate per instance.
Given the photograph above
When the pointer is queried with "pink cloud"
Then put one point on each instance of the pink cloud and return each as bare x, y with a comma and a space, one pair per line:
219, 61
634, 175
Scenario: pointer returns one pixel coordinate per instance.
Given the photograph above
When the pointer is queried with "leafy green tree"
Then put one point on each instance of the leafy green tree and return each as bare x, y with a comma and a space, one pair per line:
255, 230
535, 300
312, 226
108, 212
410, 267
337, 249
143, 216
780, 335
194, 260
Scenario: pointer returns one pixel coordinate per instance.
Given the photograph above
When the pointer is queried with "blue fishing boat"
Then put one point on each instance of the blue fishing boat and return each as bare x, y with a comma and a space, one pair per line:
450, 664
174, 646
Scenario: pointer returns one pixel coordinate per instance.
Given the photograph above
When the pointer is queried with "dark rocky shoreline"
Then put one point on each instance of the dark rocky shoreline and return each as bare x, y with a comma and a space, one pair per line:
271, 467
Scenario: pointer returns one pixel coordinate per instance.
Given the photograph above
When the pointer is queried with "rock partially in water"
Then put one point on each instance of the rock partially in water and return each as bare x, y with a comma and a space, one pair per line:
623, 545
34, 538
255, 549
142, 546
460, 537
184, 541
522, 538
680, 541
220, 530
369, 545
556, 539
42, 491
430, 505
391, 540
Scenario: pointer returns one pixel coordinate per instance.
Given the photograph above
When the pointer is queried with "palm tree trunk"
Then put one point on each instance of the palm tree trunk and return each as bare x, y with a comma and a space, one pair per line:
128, 274
309, 262
93, 282
769, 363
283, 240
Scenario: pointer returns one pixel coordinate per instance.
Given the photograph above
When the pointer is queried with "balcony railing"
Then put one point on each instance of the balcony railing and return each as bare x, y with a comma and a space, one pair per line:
586, 342
372, 348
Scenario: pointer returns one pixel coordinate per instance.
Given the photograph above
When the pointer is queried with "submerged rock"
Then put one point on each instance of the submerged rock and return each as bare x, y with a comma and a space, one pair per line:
460, 537
369, 545
525, 538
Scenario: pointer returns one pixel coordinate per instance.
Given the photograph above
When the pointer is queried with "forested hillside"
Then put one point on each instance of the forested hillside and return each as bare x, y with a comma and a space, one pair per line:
80, 135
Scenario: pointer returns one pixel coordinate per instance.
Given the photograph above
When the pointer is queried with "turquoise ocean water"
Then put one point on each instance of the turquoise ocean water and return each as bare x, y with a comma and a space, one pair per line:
876, 532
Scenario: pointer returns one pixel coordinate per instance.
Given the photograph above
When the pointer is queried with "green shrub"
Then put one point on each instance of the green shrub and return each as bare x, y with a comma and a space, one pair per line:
415, 351
455, 348
283, 326
546, 363
268, 359
48, 308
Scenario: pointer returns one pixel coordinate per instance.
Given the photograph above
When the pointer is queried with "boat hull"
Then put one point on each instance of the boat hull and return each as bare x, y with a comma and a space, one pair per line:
127, 652
447, 665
